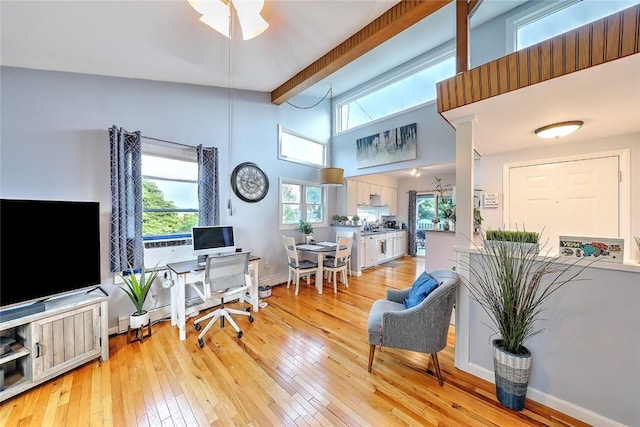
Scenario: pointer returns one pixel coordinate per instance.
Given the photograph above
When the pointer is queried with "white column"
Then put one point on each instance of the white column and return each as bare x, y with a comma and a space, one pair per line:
465, 128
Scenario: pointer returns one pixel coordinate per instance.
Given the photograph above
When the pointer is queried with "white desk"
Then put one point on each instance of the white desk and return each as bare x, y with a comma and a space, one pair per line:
178, 299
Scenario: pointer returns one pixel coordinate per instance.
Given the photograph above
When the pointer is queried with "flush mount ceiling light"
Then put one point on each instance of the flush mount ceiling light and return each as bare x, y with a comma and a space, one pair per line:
557, 130
330, 177
415, 172
217, 15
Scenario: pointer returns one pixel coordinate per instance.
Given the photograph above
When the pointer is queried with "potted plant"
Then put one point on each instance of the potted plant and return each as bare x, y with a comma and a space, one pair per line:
511, 283
306, 228
355, 219
137, 290
336, 219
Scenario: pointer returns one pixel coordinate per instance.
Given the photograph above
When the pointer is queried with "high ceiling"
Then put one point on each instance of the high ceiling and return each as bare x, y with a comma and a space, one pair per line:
163, 40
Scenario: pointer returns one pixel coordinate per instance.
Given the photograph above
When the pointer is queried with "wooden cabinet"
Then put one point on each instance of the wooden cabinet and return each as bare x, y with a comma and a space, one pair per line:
70, 332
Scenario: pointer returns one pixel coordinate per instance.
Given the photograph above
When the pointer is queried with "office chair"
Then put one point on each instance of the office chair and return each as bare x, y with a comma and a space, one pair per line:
226, 276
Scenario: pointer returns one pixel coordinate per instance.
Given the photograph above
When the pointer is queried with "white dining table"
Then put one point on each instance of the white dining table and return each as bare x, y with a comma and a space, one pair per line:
320, 249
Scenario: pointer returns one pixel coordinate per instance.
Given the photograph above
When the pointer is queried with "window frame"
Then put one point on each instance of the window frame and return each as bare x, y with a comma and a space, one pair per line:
409, 68
303, 204
281, 156
169, 153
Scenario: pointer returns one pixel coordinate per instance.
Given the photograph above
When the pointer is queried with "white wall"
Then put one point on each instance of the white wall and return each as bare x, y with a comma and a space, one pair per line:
55, 145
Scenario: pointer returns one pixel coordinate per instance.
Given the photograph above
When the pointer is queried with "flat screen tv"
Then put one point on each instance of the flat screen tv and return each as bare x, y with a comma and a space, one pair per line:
212, 240
47, 248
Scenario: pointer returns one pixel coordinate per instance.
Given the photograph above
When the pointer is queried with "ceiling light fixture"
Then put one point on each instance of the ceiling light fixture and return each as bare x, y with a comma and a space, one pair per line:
557, 130
217, 15
415, 172
330, 177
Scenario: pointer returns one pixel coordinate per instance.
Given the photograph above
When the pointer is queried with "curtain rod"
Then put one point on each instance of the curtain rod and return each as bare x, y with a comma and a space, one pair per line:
173, 142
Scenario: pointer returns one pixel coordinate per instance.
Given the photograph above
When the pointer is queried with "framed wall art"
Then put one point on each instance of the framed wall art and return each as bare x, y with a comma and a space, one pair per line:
389, 146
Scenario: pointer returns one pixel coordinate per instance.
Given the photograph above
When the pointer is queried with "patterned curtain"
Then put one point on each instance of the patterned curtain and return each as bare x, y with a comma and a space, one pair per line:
126, 199
413, 220
208, 196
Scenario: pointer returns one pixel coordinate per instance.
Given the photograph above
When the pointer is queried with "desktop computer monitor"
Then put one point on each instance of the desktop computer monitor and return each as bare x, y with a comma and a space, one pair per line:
213, 240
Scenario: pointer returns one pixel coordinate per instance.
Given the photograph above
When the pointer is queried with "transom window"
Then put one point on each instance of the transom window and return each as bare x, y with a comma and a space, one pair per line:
301, 200
554, 18
169, 196
297, 148
411, 85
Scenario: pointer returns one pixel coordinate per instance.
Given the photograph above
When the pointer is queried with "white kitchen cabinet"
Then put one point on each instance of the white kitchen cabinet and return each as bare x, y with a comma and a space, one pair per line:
364, 193
375, 189
370, 251
389, 197
361, 252
399, 244
352, 198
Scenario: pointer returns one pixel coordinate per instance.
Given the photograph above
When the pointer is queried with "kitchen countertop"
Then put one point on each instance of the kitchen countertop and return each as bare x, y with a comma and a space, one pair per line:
381, 231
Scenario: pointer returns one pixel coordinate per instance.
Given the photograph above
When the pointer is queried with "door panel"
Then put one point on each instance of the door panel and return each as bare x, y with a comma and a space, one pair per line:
567, 198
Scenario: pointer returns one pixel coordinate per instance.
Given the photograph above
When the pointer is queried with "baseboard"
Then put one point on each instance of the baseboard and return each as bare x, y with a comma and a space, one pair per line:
538, 396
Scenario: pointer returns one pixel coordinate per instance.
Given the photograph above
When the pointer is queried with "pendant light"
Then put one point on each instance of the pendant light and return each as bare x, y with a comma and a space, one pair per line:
330, 177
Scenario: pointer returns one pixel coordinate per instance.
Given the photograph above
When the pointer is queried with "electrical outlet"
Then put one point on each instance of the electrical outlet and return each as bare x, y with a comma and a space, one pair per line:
267, 266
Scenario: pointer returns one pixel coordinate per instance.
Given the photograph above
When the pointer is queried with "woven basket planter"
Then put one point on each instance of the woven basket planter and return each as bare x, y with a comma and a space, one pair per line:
512, 376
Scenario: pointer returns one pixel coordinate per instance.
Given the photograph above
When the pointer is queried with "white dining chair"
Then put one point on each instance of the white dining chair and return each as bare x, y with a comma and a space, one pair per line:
349, 234
296, 266
338, 264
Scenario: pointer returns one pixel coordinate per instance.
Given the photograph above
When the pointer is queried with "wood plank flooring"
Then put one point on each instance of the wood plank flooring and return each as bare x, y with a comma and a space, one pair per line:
303, 362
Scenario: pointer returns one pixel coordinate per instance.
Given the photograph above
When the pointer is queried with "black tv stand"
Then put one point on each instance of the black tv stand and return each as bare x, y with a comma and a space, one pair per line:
24, 310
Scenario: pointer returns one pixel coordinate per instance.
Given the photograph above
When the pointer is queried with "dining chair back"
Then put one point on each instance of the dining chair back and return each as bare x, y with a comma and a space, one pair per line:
296, 266
339, 262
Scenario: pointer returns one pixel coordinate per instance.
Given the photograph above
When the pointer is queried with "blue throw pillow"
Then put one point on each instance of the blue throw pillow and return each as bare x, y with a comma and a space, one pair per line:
421, 288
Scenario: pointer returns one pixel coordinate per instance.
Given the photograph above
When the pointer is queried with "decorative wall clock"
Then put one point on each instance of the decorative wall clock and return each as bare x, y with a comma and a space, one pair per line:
249, 182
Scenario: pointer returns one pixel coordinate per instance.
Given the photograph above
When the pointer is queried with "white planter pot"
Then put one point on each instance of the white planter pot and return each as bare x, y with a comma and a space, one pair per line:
308, 238
137, 321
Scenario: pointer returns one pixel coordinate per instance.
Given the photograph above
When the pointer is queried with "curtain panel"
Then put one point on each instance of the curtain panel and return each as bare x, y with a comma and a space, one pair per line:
126, 200
411, 227
208, 188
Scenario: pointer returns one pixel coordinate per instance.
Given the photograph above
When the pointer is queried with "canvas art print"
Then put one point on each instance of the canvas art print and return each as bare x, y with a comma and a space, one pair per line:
592, 247
390, 146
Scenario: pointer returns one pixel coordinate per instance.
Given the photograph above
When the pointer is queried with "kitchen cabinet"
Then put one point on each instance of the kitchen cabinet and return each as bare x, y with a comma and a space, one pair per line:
375, 189
399, 244
361, 254
352, 198
370, 251
389, 197
364, 193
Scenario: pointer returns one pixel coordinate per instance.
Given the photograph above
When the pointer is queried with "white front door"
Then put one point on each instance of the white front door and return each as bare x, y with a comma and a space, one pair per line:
579, 198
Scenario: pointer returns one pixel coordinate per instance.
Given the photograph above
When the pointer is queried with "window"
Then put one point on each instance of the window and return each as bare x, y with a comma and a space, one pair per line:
555, 18
169, 196
296, 148
412, 85
301, 200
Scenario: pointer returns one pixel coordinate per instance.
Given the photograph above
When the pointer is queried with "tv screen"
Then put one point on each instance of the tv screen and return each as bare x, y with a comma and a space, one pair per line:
47, 248
212, 240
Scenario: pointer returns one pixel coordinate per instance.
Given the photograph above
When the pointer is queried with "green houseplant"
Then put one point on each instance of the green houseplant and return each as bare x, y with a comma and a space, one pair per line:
137, 289
306, 228
511, 283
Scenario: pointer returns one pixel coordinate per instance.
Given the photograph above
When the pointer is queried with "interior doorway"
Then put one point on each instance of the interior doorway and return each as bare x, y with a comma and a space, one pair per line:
425, 211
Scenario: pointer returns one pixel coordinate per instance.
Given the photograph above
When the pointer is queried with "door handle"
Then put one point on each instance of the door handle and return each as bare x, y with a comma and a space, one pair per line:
38, 350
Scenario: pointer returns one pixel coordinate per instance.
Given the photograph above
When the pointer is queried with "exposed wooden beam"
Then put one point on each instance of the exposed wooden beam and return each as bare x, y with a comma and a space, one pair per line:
389, 24
462, 36
464, 11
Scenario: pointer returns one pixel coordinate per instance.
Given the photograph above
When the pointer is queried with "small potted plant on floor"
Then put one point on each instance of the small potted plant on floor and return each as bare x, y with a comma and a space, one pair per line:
137, 289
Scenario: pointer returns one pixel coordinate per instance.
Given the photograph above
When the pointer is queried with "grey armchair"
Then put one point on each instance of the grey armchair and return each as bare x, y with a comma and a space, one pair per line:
422, 328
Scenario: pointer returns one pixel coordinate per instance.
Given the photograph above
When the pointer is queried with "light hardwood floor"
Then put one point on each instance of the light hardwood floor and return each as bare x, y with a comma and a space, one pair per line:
302, 362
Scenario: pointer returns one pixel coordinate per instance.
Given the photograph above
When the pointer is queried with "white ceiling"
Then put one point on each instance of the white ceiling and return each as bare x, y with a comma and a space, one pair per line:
163, 40
606, 97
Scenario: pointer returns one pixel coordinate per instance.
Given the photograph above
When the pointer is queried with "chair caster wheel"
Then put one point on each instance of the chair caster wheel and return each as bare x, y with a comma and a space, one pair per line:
250, 319
200, 343
239, 334
197, 326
